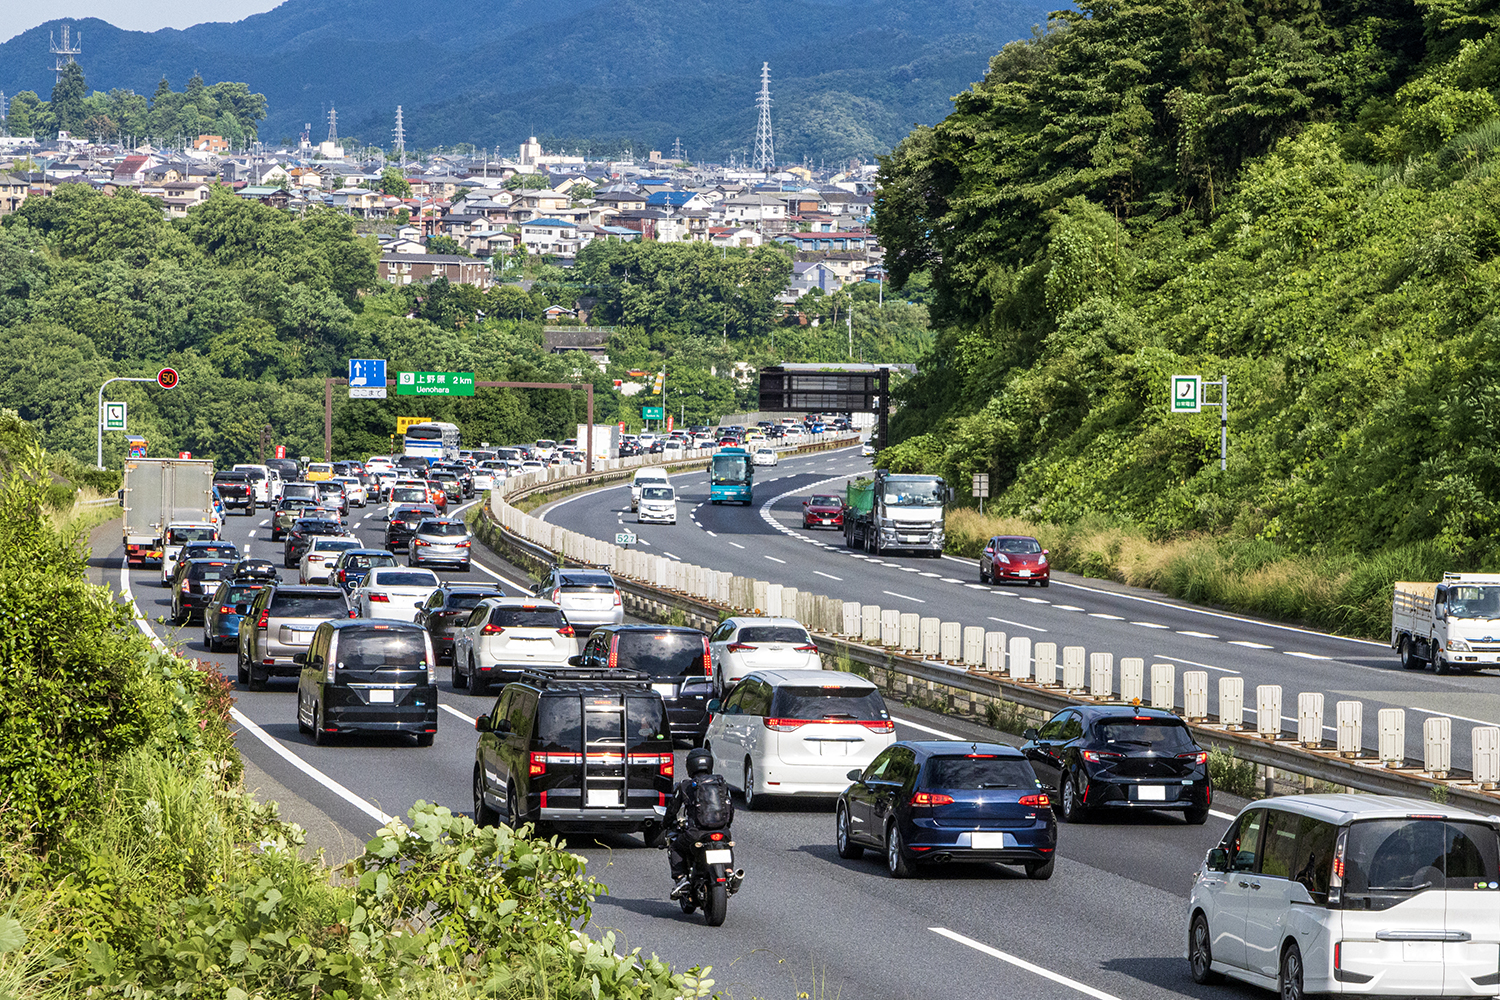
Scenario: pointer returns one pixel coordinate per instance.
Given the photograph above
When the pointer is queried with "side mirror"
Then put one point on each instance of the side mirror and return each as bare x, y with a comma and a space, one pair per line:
575, 661
1031, 734
855, 774
482, 724
714, 705
299, 658
1217, 860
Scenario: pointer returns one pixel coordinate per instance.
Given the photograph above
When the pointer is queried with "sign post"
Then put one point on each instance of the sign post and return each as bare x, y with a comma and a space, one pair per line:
981, 488
1187, 397
166, 379
367, 378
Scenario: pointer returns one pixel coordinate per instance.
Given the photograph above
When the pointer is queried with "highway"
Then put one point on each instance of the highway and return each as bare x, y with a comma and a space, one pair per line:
767, 542
1107, 925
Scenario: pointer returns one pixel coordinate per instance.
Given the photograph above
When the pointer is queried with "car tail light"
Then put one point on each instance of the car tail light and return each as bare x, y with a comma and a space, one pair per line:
618, 599
328, 674
738, 647
566, 630
1041, 801
187, 588
461, 545
1197, 756
1095, 756
225, 609
379, 599
343, 576
878, 725
557, 595
537, 765
708, 660
353, 612
811, 647
418, 541
1338, 956
931, 799
614, 651
264, 620
785, 725
492, 629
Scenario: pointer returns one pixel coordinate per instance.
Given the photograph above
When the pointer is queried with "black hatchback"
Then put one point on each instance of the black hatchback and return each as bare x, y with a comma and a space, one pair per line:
1104, 758
676, 658
931, 801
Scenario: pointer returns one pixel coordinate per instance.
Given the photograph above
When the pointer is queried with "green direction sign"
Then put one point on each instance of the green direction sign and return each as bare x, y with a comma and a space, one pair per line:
434, 383
1185, 394
653, 413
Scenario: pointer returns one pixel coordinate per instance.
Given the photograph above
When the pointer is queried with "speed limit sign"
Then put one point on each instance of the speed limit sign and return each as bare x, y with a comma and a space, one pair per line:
167, 378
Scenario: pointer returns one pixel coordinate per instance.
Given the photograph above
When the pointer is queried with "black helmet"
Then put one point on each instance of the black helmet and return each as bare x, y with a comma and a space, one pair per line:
699, 761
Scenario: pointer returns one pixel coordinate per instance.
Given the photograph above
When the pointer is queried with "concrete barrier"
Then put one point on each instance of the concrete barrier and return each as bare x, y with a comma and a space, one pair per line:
1044, 654
1020, 658
1163, 685
1102, 676
1132, 679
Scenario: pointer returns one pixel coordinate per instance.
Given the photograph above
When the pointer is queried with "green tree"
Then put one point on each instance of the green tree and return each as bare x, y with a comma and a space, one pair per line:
446, 245
23, 117
68, 96
393, 184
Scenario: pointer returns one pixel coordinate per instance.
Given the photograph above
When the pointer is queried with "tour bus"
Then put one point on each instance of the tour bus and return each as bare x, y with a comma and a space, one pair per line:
435, 442
731, 476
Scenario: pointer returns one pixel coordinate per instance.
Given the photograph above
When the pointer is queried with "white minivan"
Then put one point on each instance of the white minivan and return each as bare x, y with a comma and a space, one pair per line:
1366, 894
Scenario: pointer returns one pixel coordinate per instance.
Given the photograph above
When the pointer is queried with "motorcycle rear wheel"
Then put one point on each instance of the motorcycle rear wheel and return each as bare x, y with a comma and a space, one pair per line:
716, 896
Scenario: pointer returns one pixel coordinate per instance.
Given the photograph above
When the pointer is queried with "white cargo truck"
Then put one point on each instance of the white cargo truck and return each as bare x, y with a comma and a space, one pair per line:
1452, 625
606, 440
162, 491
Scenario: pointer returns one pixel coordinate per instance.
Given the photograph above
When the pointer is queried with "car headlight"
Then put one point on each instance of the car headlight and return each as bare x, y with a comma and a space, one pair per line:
1458, 645
1042, 561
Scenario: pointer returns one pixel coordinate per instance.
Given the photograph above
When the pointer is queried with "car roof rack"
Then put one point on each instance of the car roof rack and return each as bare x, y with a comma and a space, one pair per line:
586, 675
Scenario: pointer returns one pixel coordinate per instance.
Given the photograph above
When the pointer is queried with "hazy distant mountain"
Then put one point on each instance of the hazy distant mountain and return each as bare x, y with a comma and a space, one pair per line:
848, 77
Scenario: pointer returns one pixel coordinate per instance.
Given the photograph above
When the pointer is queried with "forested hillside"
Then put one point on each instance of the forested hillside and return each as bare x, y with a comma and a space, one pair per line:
1300, 197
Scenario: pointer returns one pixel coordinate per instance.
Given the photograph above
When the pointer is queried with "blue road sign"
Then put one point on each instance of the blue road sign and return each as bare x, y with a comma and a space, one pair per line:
365, 371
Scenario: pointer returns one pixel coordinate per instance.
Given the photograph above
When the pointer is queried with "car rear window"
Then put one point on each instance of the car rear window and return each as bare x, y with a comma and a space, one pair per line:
199, 550
401, 493
365, 651
236, 595
442, 529
590, 584
470, 600
231, 477
310, 527
774, 633
560, 720
831, 702
253, 473
398, 578
209, 571
335, 544
528, 617
366, 562
181, 536
1389, 860
1156, 733
978, 771
661, 654
306, 606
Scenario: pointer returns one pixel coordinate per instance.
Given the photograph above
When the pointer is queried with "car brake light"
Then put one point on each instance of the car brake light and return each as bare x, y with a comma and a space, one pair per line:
557, 595
1041, 801
537, 765
1092, 756
614, 651
738, 647
225, 609
708, 660
492, 629
461, 545
187, 588
566, 630
811, 647
418, 541
264, 620
931, 799
618, 599
379, 598
343, 576
1338, 955
1197, 756
785, 725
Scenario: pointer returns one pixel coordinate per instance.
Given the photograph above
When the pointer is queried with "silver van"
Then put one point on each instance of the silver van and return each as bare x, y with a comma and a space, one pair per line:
1375, 895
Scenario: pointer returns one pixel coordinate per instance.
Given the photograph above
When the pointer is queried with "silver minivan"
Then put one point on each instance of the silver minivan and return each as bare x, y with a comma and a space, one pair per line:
1375, 895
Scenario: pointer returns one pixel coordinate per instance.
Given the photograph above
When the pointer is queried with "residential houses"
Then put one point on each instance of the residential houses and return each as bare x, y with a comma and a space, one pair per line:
417, 269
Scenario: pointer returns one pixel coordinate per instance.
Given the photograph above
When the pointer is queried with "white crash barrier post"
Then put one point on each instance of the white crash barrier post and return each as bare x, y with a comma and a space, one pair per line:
890, 628
772, 606
802, 609
1486, 740
1020, 658
1350, 716
1232, 702
911, 626
833, 615
950, 641
973, 646
726, 586
994, 652
1101, 676
760, 595
1195, 695
869, 623
1392, 723
1045, 656
1268, 710
1437, 746
1163, 685
1132, 678
1073, 660
1310, 718
852, 625
928, 636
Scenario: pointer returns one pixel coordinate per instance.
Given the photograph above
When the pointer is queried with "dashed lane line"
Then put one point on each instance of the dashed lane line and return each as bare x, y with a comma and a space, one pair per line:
828, 575
918, 600
1007, 621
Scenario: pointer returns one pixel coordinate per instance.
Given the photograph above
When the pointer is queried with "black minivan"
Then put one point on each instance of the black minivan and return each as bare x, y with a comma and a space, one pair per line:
575, 749
371, 675
676, 658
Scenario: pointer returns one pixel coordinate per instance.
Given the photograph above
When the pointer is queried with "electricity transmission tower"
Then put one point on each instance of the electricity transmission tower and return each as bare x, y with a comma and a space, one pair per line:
765, 145
399, 132
66, 51
676, 147
333, 124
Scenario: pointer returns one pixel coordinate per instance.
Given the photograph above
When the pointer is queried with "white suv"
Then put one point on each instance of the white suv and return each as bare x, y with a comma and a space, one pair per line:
646, 477
504, 636
1360, 894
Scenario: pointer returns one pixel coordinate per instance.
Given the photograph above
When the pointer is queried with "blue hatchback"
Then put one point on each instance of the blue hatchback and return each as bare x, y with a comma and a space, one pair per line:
224, 611
930, 801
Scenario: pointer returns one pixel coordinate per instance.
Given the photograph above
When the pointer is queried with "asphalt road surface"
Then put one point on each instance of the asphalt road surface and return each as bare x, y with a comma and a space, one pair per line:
1107, 925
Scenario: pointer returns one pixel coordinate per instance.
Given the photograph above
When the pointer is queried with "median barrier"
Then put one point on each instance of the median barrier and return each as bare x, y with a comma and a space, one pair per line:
1163, 686
773, 600
1132, 679
1310, 718
869, 623
962, 689
1044, 658
910, 632
973, 646
853, 626
927, 637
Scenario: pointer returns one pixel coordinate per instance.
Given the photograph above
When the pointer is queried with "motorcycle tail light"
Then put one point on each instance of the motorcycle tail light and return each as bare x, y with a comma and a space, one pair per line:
715, 836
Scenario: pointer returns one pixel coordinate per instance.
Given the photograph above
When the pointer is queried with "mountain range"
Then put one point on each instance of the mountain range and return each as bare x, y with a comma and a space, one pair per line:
849, 78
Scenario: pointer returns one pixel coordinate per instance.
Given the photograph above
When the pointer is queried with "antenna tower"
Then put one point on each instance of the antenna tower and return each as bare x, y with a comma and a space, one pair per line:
399, 132
765, 146
333, 124
67, 50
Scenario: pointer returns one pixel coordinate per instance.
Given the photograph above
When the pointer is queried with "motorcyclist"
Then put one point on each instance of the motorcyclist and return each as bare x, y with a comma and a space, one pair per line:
699, 803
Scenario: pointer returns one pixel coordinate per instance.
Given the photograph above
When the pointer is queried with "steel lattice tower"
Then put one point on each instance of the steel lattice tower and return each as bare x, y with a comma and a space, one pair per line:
67, 50
333, 124
399, 134
765, 145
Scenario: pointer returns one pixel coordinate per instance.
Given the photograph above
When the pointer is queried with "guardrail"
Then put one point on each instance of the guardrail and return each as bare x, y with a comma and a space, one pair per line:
965, 670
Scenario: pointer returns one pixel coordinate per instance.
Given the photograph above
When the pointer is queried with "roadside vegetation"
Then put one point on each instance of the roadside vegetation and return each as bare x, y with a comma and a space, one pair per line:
1300, 200
136, 865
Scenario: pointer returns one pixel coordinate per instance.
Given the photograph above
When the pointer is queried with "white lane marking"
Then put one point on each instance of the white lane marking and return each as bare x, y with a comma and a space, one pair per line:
1307, 656
1248, 645
453, 711
1007, 621
977, 586
903, 596
1110, 618
858, 555
1036, 600
252, 532
710, 534
1150, 625
949, 579
926, 729
1197, 635
1195, 663
1460, 718
523, 587
907, 569
670, 555
1221, 815
541, 515
829, 575
932, 575
737, 545
1021, 963
265, 524
775, 560
1066, 607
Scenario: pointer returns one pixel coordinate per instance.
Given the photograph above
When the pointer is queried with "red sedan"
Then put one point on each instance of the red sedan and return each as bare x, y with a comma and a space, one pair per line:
1014, 557
823, 510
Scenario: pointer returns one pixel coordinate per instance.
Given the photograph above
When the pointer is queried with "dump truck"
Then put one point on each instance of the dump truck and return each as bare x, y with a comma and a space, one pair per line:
162, 491
1452, 625
888, 512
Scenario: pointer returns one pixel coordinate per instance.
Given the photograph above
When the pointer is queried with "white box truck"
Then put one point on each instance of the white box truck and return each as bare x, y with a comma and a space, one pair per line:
606, 440
162, 491
1452, 625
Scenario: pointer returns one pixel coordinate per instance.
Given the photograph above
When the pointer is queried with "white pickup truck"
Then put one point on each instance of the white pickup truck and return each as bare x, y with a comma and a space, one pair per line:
1452, 625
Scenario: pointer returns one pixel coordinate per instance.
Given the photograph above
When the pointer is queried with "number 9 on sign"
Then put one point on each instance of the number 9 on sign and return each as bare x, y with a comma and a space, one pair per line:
167, 378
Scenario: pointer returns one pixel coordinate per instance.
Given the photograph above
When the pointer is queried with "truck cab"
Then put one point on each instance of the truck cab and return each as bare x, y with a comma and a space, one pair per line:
889, 512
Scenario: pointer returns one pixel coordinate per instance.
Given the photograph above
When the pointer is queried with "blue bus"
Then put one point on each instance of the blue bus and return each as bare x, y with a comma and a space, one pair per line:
435, 442
731, 476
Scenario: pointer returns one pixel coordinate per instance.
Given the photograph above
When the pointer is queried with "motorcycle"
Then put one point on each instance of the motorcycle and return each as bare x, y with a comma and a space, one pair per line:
712, 877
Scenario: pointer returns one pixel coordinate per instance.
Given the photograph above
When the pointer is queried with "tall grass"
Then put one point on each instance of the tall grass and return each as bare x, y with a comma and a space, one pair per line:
1342, 592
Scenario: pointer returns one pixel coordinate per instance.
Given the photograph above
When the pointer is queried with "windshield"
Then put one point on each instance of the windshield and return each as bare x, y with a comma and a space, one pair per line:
1156, 734
979, 771
825, 501
731, 469
656, 493
914, 492
1019, 546
1474, 602
1388, 860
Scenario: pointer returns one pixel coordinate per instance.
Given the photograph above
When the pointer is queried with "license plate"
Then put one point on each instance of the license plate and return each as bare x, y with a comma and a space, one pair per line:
380, 696
1151, 793
718, 857
833, 748
1024, 572
665, 690
986, 840
600, 797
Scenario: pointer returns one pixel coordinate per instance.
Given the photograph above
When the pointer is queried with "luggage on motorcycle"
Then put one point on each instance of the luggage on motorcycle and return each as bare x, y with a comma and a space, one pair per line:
712, 807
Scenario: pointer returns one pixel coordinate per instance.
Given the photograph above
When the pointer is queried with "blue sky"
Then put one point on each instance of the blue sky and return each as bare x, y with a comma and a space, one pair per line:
136, 15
